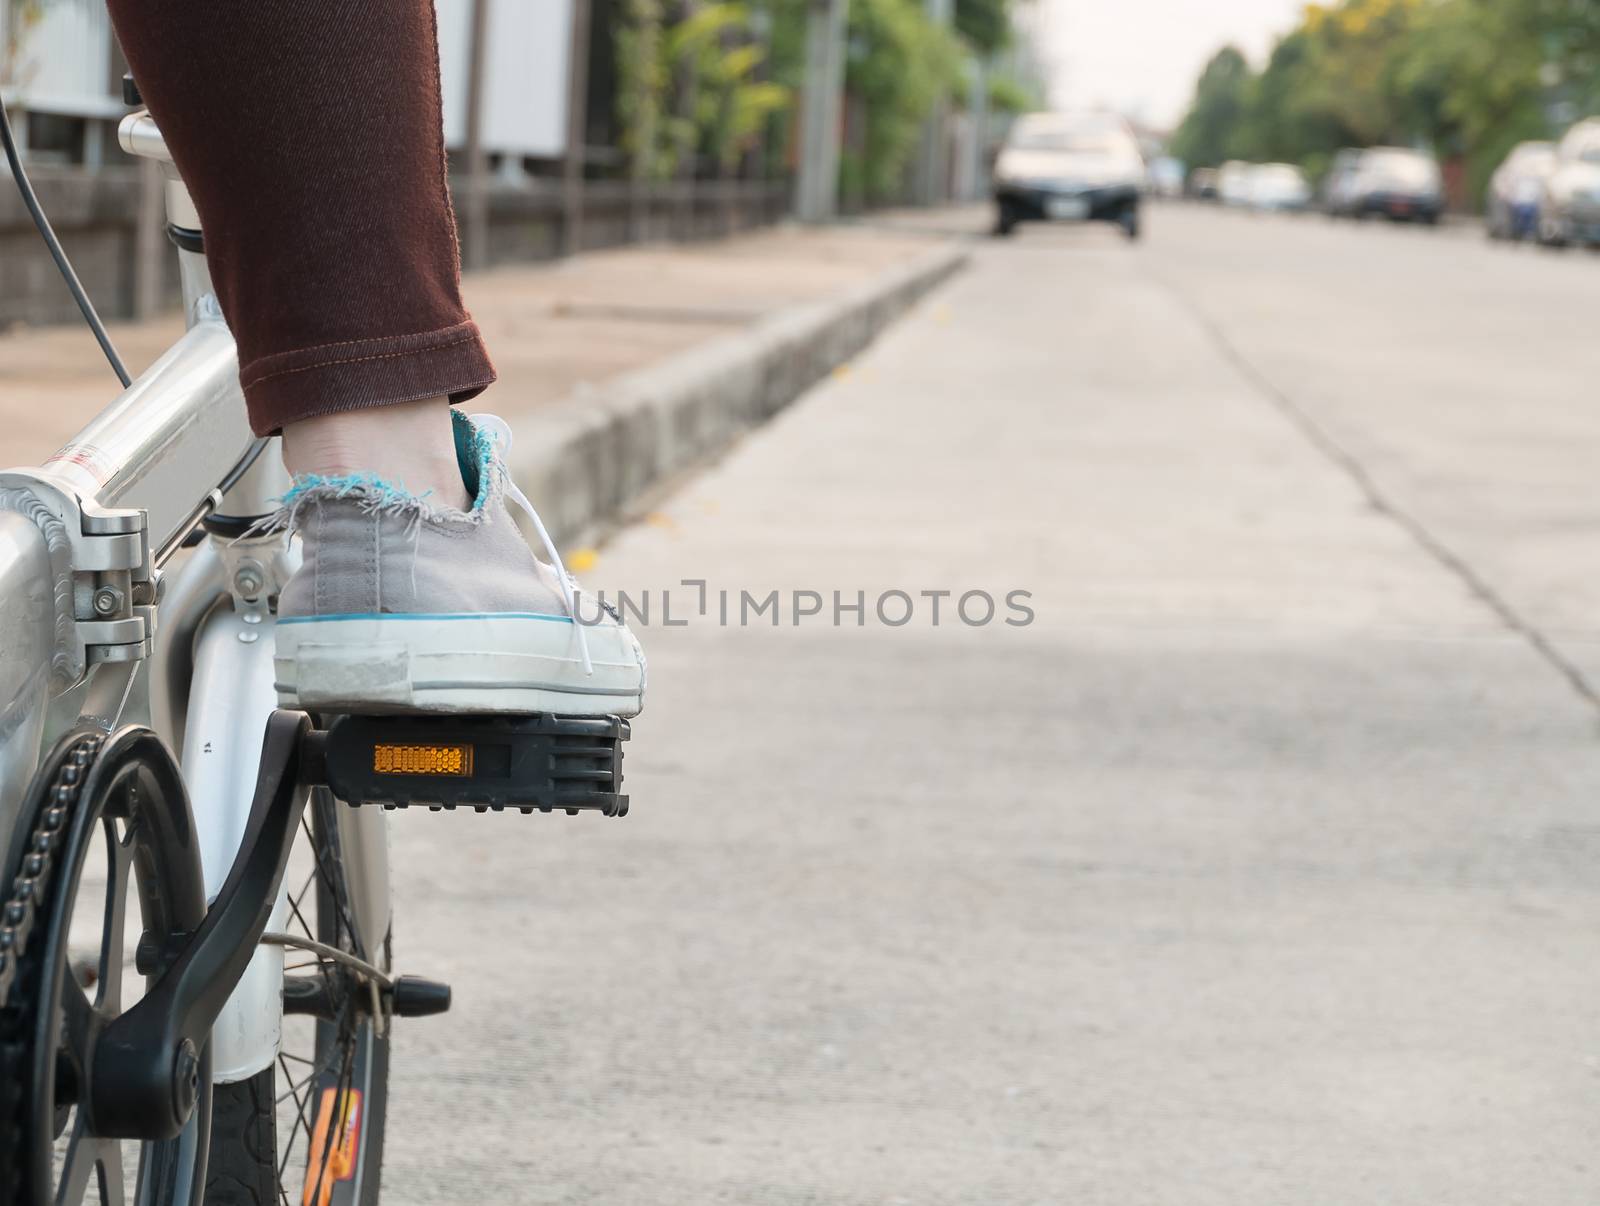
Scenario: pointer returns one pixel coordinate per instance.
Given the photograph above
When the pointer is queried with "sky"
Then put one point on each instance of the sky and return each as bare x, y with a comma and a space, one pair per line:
1143, 56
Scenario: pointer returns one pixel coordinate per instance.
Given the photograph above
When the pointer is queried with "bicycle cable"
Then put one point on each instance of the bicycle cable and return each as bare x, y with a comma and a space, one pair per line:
74, 286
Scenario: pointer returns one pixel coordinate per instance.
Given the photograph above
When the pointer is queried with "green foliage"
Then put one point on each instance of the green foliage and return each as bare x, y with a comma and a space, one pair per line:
899, 64
642, 81
1220, 110
714, 50
1468, 78
694, 85
1007, 94
985, 24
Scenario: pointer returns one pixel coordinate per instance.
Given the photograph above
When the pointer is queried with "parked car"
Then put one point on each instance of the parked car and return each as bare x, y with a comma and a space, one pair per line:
1279, 186
1516, 188
1336, 184
1569, 204
1165, 177
1233, 182
1069, 167
1203, 184
1395, 182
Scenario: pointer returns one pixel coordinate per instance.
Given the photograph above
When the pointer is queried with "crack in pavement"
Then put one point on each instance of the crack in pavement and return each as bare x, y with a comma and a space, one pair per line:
1351, 466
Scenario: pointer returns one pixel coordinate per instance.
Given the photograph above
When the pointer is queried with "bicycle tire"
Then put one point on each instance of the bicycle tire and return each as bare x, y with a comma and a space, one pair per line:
250, 1159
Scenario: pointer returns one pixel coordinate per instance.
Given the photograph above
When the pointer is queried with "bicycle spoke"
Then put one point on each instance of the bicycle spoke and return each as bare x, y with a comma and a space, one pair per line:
79, 1162
300, 1121
295, 901
335, 883
79, 1014
109, 1168
119, 861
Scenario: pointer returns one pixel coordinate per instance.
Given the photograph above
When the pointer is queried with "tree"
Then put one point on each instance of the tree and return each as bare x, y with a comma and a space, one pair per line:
693, 86
1221, 103
899, 62
985, 24
1466, 78
716, 51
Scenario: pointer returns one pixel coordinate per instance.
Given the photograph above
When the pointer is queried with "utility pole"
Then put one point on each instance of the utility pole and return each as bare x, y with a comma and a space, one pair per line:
477, 223
932, 171
978, 165
817, 190
577, 129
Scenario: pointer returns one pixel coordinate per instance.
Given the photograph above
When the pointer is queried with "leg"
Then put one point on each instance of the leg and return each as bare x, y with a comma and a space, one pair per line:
310, 137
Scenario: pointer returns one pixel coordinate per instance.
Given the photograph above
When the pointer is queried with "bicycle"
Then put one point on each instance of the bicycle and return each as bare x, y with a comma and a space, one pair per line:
234, 1073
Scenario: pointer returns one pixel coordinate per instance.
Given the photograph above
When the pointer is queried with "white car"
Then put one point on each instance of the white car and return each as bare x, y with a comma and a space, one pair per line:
1233, 182
1069, 167
1516, 189
1569, 210
1279, 186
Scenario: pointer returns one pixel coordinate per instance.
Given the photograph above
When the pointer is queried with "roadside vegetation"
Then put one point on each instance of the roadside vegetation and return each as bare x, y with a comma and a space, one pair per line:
1465, 79
716, 82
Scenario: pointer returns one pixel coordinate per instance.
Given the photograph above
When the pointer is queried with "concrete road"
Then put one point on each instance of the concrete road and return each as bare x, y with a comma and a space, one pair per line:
1259, 868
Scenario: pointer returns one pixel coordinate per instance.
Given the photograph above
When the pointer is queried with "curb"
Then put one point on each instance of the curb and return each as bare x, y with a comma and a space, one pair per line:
592, 455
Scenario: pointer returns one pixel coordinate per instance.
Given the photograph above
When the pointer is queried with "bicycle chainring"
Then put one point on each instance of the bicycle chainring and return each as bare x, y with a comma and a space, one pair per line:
51, 803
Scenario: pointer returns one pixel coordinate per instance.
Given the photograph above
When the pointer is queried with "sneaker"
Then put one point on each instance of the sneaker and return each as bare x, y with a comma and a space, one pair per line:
401, 606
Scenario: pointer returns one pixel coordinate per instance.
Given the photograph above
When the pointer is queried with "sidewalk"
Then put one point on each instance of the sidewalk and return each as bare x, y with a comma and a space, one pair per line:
553, 329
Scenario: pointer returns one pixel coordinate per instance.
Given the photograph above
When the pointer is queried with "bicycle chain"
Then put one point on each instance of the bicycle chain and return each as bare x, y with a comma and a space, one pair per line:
32, 882
30, 889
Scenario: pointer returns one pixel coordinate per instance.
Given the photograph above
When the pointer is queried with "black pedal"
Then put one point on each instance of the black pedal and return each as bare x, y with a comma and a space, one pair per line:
533, 763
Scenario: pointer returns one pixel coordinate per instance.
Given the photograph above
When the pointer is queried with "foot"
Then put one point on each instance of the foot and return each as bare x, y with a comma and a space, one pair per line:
403, 605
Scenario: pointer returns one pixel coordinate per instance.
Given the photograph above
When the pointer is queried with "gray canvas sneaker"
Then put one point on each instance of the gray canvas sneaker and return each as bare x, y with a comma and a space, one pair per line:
401, 606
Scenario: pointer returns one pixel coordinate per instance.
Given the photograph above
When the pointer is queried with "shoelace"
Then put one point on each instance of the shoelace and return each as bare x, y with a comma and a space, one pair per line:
501, 431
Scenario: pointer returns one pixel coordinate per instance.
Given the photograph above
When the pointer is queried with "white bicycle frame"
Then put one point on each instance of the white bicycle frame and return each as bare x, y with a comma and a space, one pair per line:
94, 630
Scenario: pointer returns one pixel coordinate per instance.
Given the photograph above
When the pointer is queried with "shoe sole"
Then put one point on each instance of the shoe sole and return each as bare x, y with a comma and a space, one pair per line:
503, 664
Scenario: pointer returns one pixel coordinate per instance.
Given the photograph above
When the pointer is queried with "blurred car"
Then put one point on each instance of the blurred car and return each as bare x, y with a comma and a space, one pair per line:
1396, 182
1279, 186
1569, 205
1516, 188
1165, 177
1336, 184
1069, 167
1203, 184
1233, 182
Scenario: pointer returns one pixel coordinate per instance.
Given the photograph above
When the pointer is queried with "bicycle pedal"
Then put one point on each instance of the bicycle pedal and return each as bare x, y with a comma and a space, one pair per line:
535, 763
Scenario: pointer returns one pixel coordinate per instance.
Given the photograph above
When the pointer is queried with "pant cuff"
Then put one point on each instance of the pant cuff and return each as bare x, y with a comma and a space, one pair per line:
364, 373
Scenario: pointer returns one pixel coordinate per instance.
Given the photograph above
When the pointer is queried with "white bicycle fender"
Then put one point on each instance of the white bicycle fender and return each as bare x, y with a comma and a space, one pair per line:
230, 697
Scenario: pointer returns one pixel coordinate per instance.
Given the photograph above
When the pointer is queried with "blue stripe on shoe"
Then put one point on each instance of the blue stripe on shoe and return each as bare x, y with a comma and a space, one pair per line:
459, 615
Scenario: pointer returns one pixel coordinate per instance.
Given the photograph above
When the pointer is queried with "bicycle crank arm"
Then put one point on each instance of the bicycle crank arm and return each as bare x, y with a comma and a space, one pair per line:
146, 1062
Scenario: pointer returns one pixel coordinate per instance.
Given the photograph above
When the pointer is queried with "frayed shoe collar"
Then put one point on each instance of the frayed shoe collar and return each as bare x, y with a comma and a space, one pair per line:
482, 473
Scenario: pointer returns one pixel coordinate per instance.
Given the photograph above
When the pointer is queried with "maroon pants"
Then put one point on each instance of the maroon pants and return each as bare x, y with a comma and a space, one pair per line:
309, 133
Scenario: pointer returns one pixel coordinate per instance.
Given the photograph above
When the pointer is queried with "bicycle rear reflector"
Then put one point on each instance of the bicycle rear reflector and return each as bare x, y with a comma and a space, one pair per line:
537, 762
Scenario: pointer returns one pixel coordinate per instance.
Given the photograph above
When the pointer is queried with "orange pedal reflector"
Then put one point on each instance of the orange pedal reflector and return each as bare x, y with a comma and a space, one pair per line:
390, 759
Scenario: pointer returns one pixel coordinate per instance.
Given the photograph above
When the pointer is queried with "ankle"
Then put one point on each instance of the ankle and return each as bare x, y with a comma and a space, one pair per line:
407, 443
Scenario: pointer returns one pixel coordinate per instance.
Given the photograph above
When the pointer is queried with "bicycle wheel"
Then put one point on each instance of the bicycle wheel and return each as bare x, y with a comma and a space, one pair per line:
105, 816
310, 1129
